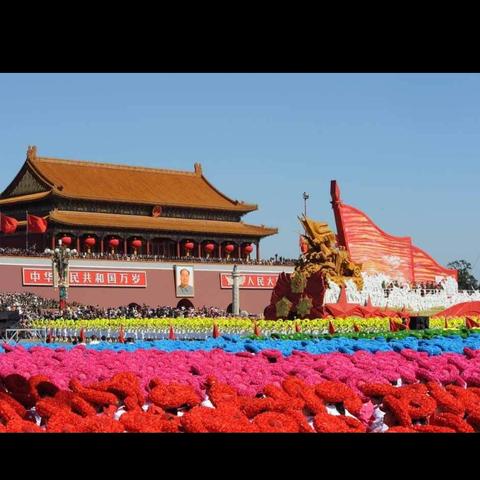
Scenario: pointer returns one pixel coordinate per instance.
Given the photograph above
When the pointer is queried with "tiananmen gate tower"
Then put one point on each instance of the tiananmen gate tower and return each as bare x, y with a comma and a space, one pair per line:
106, 207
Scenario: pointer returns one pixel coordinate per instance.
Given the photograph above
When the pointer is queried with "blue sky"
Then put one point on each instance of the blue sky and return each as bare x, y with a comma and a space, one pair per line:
403, 147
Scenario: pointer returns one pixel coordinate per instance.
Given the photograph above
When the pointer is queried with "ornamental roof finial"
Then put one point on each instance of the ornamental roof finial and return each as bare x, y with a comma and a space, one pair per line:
32, 152
198, 168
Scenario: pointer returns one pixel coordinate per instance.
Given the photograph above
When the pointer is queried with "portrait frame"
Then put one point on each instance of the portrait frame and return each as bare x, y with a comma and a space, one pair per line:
186, 291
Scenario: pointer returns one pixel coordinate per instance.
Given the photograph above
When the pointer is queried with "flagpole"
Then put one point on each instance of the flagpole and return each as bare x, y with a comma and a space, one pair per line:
26, 231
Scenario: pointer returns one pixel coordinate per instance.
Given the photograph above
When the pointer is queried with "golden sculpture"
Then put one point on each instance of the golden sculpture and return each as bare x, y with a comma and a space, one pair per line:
324, 255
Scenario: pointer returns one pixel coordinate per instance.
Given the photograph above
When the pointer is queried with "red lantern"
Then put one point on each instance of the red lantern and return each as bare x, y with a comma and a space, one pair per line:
248, 249
67, 241
189, 246
114, 243
229, 249
209, 248
136, 243
90, 241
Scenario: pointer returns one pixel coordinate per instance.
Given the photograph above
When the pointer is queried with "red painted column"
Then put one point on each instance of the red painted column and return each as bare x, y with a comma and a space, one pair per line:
199, 249
125, 246
53, 241
148, 247
257, 243
220, 250
101, 246
178, 248
78, 243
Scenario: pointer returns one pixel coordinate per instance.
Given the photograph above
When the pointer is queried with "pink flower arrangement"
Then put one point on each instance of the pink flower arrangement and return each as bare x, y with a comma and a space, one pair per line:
247, 373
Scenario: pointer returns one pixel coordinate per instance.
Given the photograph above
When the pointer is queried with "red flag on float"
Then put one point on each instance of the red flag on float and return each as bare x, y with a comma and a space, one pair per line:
298, 329
171, 334
36, 224
216, 331
471, 323
256, 330
121, 335
8, 224
356, 327
393, 326
331, 328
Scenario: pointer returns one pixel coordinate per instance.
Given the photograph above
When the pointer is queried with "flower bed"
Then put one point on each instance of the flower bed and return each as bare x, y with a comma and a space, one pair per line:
246, 371
203, 327
36, 404
432, 342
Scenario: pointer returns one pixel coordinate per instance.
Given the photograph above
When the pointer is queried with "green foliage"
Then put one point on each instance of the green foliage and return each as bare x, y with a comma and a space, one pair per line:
466, 280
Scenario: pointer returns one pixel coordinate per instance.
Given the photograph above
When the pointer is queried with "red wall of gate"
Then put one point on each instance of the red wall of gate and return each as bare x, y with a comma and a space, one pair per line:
160, 290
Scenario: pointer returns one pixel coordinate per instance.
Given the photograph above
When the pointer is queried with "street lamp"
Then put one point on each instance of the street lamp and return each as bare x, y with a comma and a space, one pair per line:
60, 258
306, 196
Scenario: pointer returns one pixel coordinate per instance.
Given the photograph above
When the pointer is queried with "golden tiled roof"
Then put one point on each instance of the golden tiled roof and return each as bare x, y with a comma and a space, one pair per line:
84, 219
130, 184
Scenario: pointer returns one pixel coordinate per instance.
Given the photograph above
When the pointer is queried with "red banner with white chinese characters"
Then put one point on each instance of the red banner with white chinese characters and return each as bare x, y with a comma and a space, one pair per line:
87, 278
250, 280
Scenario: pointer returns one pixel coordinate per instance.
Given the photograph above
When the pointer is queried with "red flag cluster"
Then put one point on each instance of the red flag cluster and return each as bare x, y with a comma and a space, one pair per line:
34, 224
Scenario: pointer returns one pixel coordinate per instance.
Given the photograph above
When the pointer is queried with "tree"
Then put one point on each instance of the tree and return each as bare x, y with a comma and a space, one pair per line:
466, 280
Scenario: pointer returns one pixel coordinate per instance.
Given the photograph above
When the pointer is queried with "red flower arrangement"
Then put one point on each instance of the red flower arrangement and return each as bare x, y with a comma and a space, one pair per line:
413, 408
40, 386
149, 423
220, 393
398, 409
276, 422
95, 397
18, 407
224, 419
325, 423
174, 396
446, 402
296, 388
337, 392
453, 421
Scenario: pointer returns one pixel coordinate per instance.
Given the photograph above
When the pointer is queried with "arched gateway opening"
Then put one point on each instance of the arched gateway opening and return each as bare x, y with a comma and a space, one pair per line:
185, 303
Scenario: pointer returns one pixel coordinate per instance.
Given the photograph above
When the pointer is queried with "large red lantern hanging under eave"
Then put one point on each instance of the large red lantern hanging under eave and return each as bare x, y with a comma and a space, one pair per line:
248, 249
114, 242
67, 241
189, 246
136, 243
209, 248
90, 242
229, 249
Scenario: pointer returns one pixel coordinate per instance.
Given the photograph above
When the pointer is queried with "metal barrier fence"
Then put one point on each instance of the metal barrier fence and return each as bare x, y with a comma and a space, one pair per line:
17, 334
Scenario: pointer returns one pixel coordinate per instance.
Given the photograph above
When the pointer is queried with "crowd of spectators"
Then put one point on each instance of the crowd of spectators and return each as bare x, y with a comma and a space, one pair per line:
31, 252
424, 288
